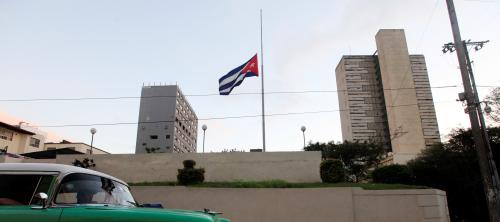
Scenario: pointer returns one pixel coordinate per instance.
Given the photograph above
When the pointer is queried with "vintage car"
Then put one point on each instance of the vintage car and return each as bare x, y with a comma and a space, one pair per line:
60, 193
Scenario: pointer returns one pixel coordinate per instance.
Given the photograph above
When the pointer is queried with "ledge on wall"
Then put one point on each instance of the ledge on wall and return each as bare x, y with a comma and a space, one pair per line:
284, 184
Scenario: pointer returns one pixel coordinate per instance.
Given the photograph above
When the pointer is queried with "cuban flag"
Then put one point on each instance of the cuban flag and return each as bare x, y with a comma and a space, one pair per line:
236, 76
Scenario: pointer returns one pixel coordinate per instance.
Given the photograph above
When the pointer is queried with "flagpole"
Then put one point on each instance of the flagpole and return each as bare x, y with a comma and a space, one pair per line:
262, 86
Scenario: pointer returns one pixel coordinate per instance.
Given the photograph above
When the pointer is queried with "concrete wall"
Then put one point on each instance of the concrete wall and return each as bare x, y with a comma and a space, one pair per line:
304, 204
6, 159
403, 115
288, 166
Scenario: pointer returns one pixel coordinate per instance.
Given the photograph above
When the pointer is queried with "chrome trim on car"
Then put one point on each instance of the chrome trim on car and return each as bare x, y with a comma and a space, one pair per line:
58, 170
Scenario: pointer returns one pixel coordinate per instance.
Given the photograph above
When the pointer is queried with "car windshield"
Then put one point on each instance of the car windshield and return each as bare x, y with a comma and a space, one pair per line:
90, 189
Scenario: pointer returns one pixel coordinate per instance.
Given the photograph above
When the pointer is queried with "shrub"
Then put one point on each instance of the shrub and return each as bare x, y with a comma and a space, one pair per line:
190, 175
189, 164
395, 173
85, 163
332, 171
357, 157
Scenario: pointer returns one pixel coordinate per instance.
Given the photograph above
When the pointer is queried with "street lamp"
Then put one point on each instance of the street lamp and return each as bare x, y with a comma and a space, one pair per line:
487, 109
92, 131
303, 129
204, 128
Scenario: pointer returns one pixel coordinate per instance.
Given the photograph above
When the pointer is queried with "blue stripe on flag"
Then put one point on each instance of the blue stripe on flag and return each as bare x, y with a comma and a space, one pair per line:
234, 78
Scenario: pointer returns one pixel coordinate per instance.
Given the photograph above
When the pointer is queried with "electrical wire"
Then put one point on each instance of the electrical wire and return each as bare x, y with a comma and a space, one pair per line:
215, 94
216, 118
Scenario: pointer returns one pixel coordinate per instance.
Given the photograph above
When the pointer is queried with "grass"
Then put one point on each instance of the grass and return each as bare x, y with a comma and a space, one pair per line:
284, 184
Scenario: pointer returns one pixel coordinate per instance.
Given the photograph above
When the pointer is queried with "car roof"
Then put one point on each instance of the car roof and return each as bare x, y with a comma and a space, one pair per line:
53, 167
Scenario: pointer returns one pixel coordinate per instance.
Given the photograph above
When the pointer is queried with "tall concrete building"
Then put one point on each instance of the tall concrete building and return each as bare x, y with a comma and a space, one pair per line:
387, 98
167, 123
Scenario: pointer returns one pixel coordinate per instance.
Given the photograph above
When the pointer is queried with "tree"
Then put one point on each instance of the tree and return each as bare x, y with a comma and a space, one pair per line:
493, 100
357, 157
453, 167
232, 151
394, 173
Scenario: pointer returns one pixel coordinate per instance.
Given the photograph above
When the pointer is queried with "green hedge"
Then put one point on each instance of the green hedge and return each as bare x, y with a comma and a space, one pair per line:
189, 175
332, 171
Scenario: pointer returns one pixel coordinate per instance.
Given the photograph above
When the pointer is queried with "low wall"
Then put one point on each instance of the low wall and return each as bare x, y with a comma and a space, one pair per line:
304, 204
288, 166
6, 159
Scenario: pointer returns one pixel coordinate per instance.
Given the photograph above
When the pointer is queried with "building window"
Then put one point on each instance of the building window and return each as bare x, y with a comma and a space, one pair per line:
6, 134
153, 137
167, 136
34, 142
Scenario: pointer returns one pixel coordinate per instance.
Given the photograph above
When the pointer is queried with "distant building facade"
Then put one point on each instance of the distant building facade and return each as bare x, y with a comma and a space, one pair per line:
387, 98
17, 139
79, 147
25, 139
167, 122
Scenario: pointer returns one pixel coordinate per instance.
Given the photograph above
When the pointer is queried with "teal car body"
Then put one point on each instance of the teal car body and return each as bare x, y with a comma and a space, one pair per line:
62, 193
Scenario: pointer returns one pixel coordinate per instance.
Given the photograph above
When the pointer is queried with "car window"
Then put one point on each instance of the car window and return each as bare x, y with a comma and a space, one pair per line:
43, 186
89, 189
20, 189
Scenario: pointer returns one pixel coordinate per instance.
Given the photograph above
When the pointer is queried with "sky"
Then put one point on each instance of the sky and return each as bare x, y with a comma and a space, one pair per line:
79, 49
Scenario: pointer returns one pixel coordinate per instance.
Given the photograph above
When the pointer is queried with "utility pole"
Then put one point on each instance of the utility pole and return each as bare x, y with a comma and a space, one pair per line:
484, 131
487, 173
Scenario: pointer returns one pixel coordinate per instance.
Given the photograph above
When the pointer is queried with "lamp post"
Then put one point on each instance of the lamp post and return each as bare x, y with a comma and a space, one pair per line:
303, 129
204, 128
92, 131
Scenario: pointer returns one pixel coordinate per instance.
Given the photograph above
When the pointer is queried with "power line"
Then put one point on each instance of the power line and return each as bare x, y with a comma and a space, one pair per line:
483, 86
407, 72
216, 118
436, 4
215, 94
485, 1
